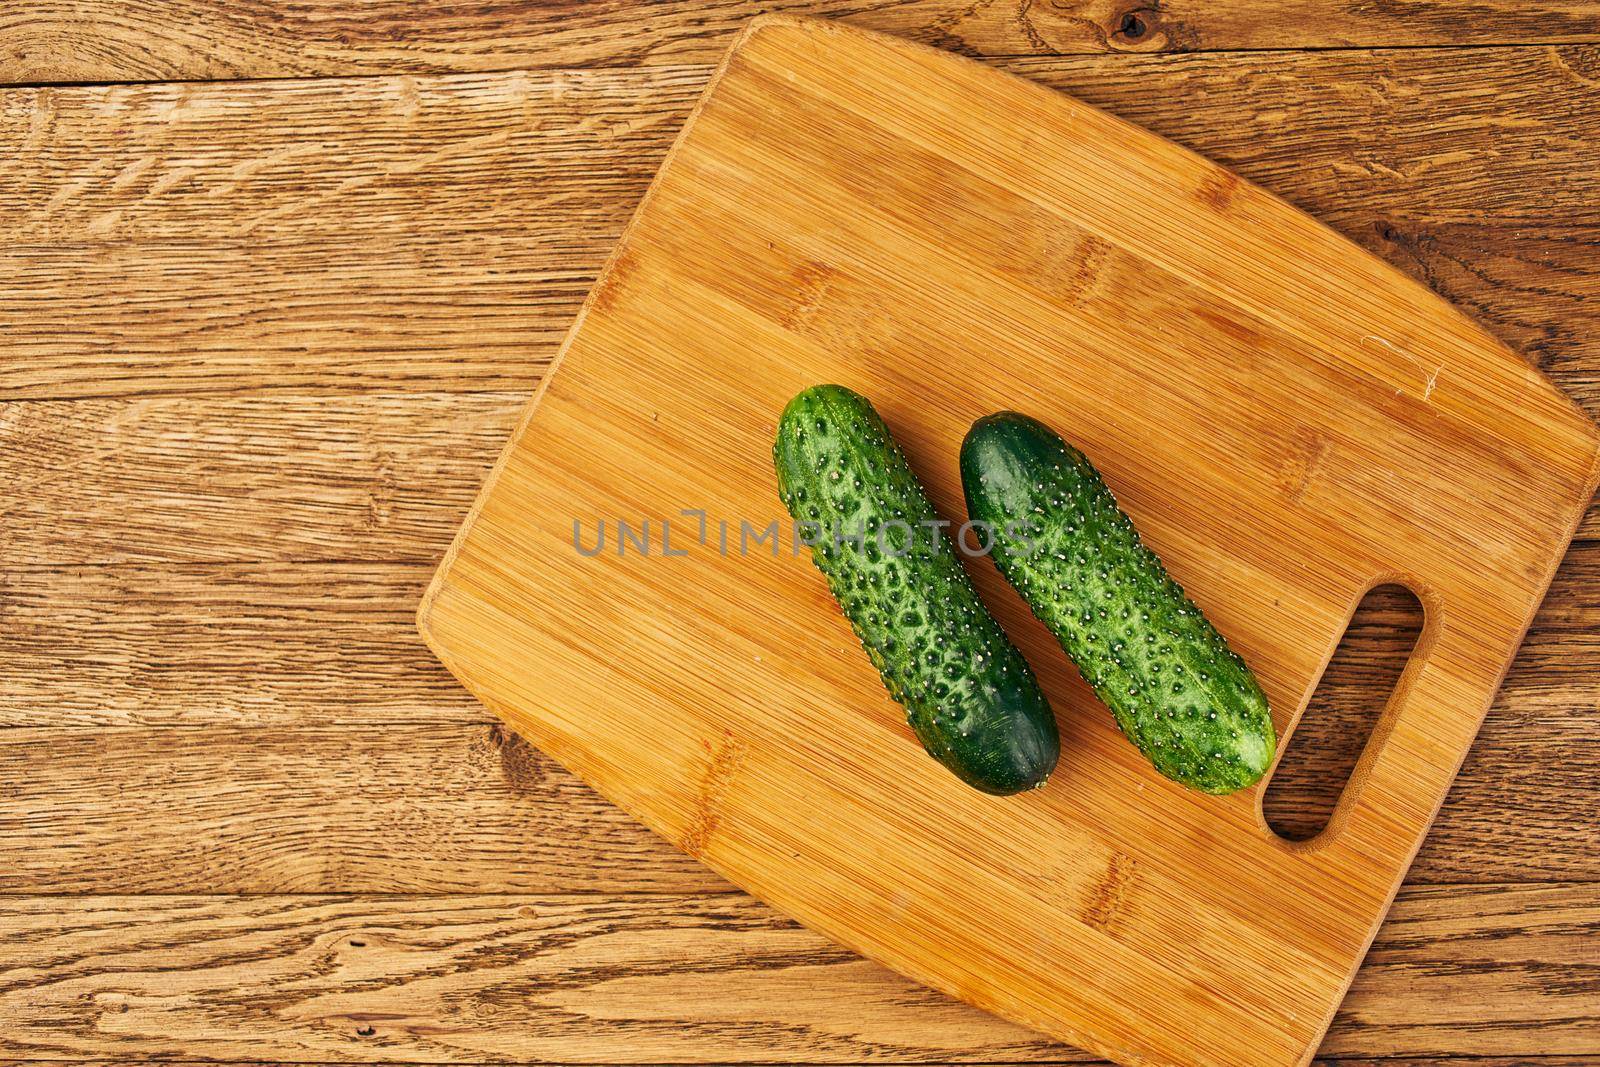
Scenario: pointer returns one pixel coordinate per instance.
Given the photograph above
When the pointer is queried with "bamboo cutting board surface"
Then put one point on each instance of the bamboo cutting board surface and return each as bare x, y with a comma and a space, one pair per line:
1288, 420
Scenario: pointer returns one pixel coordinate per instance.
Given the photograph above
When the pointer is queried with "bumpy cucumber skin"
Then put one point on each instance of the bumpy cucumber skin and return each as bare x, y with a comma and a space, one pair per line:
1175, 687
970, 697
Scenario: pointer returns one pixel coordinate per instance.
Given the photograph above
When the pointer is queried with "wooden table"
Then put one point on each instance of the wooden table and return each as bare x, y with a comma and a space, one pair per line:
275, 279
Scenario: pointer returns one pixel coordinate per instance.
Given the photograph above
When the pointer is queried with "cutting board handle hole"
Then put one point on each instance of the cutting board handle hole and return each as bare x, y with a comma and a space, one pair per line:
1337, 725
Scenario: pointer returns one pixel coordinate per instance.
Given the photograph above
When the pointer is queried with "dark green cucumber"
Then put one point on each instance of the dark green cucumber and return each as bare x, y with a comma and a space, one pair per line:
969, 695
1175, 687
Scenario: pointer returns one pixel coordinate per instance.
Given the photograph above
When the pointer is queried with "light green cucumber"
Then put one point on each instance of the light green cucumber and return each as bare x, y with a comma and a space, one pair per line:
1174, 686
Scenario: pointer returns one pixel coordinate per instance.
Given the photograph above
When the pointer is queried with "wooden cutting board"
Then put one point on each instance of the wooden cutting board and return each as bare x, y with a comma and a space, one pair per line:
1289, 421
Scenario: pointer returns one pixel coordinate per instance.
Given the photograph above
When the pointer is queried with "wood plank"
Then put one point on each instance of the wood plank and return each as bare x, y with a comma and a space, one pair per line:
190, 252
270, 808
1436, 945
336, 644
1483, 971
265, 477
398, 809
478, 312
326, 316
375, 478
329, 159
463, 979
186, 645
1437, 134
101, 40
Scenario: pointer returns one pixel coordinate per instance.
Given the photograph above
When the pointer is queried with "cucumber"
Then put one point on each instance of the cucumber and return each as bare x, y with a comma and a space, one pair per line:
970, 697
1175, 687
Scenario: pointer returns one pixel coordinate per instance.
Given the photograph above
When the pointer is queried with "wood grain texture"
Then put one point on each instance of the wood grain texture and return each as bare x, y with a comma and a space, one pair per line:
463, 979
590, 979
306, 645
102, 40
316, 644
375, 478
273, 477
478, 312
1429, 941
278, 478
846, 207
1536, 289
417, 808
261, 810
1069, 1056
438, 233
263, 579
1343, 714
333, 643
